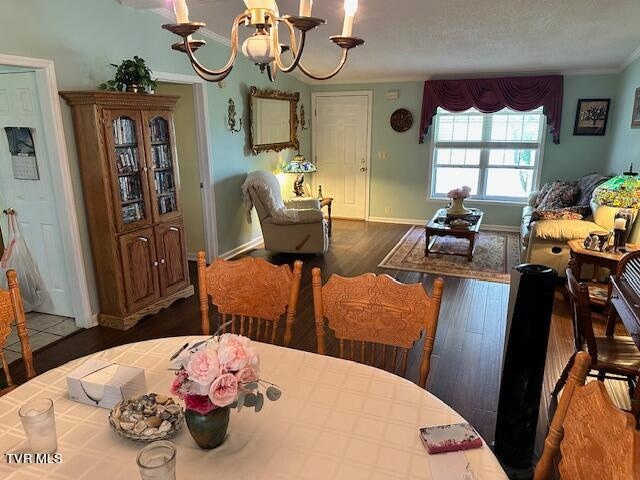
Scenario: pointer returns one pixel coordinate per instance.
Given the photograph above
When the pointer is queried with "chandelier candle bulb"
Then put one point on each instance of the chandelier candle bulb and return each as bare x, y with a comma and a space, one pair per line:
181, 10
305, 8
350, 7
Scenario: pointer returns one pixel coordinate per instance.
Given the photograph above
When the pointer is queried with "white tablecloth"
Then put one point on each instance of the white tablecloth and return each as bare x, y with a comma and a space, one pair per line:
335, 419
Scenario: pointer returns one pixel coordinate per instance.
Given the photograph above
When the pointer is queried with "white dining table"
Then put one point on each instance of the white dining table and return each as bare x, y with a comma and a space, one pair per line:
336, 419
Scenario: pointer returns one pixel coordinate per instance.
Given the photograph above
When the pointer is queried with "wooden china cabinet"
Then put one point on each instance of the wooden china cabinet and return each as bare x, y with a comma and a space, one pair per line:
127, 154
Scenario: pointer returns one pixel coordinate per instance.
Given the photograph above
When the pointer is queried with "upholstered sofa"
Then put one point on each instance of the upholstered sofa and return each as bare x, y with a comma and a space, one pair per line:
298, 227
545, 241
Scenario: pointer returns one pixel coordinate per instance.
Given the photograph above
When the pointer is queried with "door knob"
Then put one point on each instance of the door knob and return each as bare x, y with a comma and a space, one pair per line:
162, 261
362, 160
155, 264
363, 169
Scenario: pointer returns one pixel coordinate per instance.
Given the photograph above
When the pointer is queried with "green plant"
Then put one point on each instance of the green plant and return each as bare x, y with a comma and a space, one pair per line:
131, 73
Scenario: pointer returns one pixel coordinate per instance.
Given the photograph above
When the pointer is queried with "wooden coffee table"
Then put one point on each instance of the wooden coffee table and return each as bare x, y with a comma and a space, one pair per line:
439, 226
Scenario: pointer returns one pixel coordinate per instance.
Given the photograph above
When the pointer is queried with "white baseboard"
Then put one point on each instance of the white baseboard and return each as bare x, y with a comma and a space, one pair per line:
422, 221
192, 256
399, 221
500, 228
245, 247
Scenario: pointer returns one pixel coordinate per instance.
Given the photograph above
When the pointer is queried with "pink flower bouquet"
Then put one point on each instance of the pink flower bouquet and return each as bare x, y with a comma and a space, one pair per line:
219, 372
459, 193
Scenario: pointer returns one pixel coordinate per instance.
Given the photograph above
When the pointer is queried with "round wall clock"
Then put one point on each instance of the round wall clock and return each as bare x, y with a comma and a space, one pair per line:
401, 120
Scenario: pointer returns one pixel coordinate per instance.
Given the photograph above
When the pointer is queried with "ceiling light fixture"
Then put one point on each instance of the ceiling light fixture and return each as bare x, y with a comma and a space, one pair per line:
264, 47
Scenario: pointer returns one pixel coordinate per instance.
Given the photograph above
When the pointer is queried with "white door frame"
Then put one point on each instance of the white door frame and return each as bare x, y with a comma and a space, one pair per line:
62, 186
349, 93
204, 155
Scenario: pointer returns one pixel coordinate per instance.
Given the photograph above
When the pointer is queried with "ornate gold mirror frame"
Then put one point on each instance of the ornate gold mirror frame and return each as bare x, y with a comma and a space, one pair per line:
292, 98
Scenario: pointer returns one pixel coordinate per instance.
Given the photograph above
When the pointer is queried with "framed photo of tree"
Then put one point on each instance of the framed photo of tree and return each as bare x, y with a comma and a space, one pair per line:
635, 115
591, 116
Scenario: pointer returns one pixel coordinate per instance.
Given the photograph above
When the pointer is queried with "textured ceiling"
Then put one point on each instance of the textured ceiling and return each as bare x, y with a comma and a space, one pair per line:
411, 39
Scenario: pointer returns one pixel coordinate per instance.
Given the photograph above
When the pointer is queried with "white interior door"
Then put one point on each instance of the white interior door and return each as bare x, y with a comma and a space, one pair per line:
341, 150
33, 200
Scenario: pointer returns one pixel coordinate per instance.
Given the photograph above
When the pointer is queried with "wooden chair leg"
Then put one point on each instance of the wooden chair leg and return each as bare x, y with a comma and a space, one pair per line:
631, 381
563, 377
635, 401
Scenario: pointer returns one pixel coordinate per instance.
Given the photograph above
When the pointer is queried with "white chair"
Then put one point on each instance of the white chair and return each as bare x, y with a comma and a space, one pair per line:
288, 230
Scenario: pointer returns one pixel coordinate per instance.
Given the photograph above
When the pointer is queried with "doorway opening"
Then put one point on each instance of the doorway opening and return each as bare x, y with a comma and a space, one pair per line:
35, 183
188, 166
191, 121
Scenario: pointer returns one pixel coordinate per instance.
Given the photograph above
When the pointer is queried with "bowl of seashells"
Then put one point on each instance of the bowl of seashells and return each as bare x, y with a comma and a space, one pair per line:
147, 418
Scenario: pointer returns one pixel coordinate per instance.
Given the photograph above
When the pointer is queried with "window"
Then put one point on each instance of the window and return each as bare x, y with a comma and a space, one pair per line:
497, 155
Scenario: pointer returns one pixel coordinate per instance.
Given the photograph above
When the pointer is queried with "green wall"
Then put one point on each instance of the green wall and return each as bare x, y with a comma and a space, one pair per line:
625, 142
400, 182
83, 37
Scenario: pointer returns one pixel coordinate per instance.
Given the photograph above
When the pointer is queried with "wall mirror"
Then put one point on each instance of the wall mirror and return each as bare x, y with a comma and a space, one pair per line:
273, 120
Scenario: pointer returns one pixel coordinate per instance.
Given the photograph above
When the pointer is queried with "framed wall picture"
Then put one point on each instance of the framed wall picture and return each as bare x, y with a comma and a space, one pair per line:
591, 116
635, 116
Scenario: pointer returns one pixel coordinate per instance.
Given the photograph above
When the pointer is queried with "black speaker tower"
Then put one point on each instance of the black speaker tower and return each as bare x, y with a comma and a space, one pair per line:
528, 322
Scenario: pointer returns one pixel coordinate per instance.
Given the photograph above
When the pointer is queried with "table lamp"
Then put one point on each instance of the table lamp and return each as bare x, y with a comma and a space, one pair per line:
299, 165
621, 191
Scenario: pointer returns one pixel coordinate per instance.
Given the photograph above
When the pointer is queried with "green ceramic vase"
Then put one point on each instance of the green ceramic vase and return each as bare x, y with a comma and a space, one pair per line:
210, 430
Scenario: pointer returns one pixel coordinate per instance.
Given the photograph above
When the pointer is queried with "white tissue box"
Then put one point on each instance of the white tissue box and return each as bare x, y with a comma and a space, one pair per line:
103, 384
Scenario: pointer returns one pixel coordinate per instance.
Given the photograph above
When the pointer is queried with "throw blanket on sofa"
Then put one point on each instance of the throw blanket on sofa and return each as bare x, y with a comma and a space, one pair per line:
271, 199
562, 200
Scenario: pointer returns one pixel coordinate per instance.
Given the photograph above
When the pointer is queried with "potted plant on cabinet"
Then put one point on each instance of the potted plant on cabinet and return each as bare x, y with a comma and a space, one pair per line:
131, 75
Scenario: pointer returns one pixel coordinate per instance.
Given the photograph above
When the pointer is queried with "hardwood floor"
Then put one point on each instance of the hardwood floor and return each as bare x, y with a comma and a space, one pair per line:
465, 371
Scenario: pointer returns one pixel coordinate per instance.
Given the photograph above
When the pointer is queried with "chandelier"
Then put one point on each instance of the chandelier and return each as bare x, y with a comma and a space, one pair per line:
264, 47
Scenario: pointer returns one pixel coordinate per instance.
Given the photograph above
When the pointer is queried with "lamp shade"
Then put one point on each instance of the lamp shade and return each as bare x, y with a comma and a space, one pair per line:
298, 165
622, 191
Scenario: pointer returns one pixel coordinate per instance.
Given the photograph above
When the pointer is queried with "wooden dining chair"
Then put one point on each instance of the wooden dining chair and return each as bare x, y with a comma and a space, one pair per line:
12, 310
592, 437
251, 294
375, 317
613, 357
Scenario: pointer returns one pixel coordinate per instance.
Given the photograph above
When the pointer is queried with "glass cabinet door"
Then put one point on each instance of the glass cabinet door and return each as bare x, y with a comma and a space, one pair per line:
164, 182
128, 167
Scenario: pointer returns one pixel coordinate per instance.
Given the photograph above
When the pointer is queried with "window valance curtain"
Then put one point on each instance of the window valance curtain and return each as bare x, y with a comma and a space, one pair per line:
490, 95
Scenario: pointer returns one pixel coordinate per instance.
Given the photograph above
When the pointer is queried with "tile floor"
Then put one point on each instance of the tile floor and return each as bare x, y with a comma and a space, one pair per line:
43, 329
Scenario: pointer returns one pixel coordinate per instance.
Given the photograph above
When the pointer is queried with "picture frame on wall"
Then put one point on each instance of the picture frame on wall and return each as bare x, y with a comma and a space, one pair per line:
591, 116
635, 116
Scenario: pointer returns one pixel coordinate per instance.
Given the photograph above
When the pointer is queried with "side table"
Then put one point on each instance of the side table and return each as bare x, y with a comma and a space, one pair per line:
598, 292
326, 202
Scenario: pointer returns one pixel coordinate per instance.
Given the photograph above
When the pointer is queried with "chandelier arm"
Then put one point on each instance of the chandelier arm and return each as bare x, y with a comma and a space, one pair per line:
211, 78
295, 49
343, 60
199, 68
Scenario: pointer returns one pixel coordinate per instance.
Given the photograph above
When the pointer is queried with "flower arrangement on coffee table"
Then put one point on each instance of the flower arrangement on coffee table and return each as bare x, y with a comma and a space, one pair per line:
457, 196
459, 193
213, 376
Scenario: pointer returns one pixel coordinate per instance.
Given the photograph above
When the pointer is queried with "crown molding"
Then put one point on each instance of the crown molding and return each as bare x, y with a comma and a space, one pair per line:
630, 59
368, 80
143, 4
205, 32
450, 76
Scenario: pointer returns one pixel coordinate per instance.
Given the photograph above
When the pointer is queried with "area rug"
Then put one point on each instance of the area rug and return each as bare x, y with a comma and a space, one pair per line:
495, 254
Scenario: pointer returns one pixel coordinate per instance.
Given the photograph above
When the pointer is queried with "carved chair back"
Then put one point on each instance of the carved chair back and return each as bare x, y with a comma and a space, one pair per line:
592, 437
251, 294
377, 319
581, 313
12, 311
